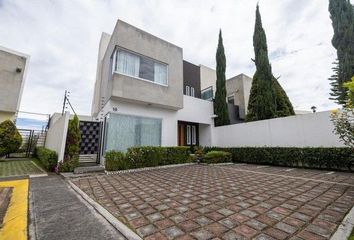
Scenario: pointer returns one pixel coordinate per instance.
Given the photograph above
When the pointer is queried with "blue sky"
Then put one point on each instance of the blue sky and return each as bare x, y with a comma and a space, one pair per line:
30, 123
62, 39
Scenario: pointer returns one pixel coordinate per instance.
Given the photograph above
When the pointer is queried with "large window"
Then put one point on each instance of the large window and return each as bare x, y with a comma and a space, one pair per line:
124, 131
138, 66
207, 94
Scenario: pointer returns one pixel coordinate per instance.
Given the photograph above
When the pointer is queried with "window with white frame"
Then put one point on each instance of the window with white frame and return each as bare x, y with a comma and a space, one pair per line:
188, 91
188, 134
194, 135
192, 91
138, 66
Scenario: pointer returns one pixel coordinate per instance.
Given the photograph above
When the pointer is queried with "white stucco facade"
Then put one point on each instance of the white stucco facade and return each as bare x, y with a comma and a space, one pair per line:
195, 110
207, 78
13, 71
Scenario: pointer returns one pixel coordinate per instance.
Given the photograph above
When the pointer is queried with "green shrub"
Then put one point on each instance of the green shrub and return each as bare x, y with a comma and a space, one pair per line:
320, 158
176, 155
72, 147
73, 138
217, 157
47, 157
115, 161
140, 157
10, 138
68, 165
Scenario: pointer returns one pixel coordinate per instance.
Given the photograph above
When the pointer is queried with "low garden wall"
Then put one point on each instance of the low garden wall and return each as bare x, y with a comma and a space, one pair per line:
56, 135
308, 130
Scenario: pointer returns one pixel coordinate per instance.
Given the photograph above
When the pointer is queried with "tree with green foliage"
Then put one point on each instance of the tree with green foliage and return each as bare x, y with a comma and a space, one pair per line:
350, 87
72, 146
267, 98
343, 120
10, 138
284, 106
342, 16
220, 105
335, 89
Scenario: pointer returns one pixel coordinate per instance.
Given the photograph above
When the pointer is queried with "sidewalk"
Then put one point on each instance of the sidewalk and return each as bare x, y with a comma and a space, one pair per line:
56, 212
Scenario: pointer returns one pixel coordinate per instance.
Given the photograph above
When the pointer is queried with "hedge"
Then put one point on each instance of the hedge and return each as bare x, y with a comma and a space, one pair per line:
47, 157
320, 158
139, 157
217, 157
115, 161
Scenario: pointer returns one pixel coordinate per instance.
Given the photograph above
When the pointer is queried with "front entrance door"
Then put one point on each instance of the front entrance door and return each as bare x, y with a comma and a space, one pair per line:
188, 134
181, 130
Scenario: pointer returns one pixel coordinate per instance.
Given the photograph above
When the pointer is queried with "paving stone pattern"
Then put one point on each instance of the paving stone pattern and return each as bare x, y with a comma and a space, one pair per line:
225, 202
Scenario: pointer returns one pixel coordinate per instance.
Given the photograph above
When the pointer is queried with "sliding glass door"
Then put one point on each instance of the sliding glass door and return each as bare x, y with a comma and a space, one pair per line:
125, 131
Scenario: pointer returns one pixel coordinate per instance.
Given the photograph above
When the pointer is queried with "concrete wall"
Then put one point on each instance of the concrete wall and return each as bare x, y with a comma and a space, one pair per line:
247, 84
310, 130
133, 89
191, 78
207, 78
96, 100
13, 68
239, 87
56, 135
196, 110
7, 116
205, 135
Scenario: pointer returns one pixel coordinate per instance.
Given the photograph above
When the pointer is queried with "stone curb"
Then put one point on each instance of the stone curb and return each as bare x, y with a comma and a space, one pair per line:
221, 164
345, 228
42, 170
148, 168
122, 228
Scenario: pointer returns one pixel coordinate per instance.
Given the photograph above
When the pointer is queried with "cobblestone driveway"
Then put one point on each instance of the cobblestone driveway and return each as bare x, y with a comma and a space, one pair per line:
226, 202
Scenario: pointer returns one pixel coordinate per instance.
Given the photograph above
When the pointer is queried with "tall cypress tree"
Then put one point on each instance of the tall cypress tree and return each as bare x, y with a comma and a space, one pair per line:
284, 106
220, 105
267, 98
342, 15
262, 102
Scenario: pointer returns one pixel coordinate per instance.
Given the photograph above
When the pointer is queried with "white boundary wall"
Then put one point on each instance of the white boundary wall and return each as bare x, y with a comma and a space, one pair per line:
309, 130
56, 135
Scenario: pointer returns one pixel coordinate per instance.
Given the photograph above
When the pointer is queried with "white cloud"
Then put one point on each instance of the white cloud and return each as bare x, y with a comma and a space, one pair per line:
62, 38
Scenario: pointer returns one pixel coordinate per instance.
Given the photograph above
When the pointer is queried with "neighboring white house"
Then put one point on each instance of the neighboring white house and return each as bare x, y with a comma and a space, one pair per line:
13, 68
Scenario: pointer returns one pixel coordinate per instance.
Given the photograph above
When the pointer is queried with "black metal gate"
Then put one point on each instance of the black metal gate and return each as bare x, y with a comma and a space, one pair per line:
90, 141
30, 140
